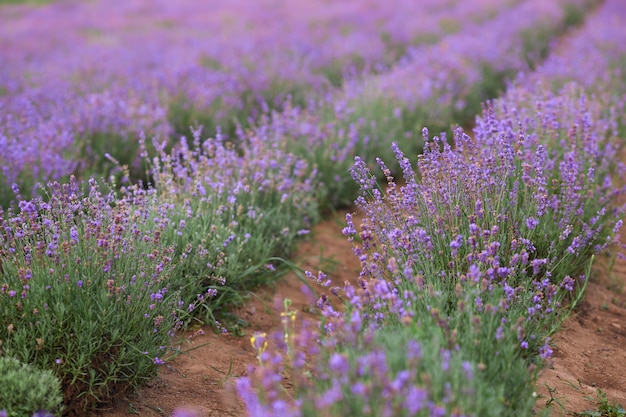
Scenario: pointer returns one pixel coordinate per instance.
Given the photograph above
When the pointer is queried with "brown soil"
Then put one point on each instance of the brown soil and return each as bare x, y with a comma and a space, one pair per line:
203, 378
589, 351
590, 348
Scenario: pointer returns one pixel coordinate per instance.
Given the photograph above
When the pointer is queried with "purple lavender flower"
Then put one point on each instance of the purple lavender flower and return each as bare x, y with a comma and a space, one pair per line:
185, 412
42, 413
545, 352
568, 283
339, 364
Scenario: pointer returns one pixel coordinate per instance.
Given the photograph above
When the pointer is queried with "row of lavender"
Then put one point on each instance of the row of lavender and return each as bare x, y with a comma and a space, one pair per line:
81, 79
123, 269
467, 272
436, 85
71, 97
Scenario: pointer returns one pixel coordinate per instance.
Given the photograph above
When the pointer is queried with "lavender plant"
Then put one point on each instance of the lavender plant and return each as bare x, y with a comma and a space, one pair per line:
49, 135
84, 289
376, 110
234, 215
592, 58
317, 135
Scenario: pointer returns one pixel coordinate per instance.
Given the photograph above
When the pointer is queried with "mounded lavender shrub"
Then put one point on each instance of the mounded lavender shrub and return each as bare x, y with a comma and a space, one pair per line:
25, 390
84, 289
236, 211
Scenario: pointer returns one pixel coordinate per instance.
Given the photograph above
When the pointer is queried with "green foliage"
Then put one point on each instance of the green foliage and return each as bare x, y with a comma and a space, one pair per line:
228, 115
183, 114
382, 120
8, 2
334, 72
83, 291
605, 408
101, 155
25, 389
536, 41
574, 15
492, 85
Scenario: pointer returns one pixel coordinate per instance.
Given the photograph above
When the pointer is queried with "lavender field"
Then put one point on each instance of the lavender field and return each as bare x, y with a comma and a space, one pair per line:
161, 160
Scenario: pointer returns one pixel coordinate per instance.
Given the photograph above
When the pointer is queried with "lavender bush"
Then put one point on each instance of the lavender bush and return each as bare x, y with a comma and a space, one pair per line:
592, 58
454, 76
48, 135
233, 216
84, 290
319, 136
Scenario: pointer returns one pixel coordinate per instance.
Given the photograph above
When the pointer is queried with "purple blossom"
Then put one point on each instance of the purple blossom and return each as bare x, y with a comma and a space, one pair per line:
500, 333
531, 223
42, 413
545, 352
568, 283
339, 364
416, 400
445, 359
185, 412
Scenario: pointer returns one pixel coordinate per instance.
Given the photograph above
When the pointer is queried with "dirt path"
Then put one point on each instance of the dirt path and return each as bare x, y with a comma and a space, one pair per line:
589, 348
203, 378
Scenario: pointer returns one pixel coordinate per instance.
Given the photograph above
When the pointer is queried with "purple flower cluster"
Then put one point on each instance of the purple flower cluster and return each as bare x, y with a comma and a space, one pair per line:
236, 207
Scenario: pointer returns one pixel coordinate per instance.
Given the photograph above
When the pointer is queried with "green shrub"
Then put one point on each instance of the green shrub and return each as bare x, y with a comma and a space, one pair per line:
83, 290
25, 389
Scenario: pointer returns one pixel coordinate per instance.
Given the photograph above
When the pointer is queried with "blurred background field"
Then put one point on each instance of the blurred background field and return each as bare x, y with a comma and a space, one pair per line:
160, 159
